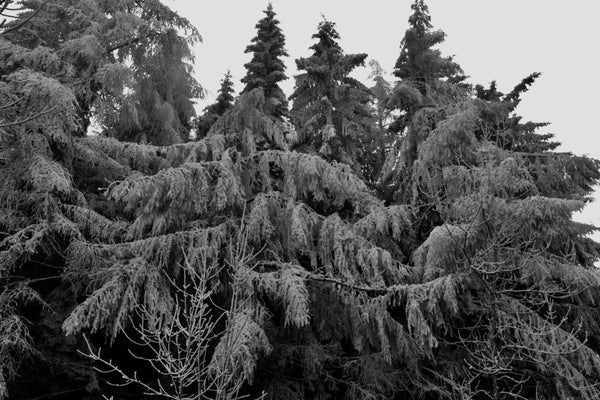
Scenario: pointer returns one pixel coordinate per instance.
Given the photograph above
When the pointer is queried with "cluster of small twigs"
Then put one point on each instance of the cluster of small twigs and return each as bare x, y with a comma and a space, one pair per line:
180, 347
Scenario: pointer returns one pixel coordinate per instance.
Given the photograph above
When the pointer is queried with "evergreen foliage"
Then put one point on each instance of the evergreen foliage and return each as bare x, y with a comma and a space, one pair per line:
331, 109
127, 62
375, 147
266, 68
419, 65
212, 112
426, 79
499, 235
233, 266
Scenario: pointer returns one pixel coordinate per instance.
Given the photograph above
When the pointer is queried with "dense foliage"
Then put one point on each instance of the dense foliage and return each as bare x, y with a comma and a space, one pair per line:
212, 112
331, 109
266, 68
253, 262
114, 55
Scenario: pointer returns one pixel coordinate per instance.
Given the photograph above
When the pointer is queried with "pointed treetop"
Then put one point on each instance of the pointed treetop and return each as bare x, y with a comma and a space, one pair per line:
420, 20
382, 87
326, 35
418, 61
266, 68
225, 96
212, 112
269, 11
331, 109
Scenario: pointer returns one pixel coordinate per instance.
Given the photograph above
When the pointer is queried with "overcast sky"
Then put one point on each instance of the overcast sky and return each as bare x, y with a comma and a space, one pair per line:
492, 40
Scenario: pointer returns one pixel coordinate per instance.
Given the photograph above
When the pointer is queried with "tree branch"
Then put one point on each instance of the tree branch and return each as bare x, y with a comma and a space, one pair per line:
365, 289
18, 26
41, 113
131, 41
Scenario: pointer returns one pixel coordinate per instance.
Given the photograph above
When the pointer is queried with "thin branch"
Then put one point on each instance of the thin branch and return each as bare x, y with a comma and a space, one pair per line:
131, 41
40, 114
46, 396
11, 104
365, 289
18, 26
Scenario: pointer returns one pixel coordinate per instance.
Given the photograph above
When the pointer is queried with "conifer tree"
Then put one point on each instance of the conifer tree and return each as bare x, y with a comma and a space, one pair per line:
212, 112
374, 148
152, 100
266, 68
62, 66
225, 97
164, 91
426, 80
331, 109
508, 132
420, 66
316, 276
499, 236
485, 177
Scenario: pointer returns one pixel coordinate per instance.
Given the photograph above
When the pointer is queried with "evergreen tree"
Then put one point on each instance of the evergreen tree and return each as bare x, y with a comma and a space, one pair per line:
150, 101
212, 112
302, 270
420, 66
490, 197
426, 80
61, 67
163, 94
500, 237
507, 131
225, 97
331, 109
266, 69
374, 148
329, 297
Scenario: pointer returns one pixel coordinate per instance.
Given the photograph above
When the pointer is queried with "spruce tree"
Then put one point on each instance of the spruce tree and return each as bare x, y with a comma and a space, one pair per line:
212, 112
426, 80
331, 109
225, 97
420, 65
266, 68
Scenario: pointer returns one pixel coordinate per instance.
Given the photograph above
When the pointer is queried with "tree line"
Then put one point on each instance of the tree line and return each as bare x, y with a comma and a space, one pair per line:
411, 239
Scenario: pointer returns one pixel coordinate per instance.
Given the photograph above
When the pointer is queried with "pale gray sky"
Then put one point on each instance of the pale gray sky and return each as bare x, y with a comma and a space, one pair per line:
492, 40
